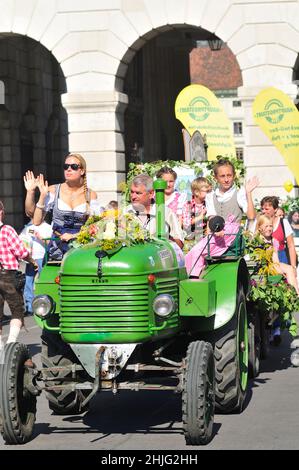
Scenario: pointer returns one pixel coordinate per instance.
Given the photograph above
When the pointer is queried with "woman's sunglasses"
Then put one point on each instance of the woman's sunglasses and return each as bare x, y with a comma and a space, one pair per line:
73, 166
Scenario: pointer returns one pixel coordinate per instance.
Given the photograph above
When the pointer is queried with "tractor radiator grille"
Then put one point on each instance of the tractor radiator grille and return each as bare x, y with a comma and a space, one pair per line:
105, 308
111, 308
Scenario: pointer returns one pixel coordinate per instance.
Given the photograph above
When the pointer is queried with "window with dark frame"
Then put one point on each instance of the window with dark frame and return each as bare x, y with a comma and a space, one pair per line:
240, 153
237, 103
238, 128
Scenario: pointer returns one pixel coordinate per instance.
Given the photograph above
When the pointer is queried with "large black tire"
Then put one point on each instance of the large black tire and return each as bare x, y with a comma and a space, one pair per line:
56, 353
198, 399
254, 343
17, 405
231, 360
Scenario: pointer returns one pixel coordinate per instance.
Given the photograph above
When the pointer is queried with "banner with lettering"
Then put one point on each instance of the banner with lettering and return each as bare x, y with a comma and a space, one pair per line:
277, 116
199, 109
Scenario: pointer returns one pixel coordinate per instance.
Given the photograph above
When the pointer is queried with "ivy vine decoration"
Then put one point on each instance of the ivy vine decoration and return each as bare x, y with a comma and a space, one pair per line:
270, 293
278, 297
290, 204
200, 169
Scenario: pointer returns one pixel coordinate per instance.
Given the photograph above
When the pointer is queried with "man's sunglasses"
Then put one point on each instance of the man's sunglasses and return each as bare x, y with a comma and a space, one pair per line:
73, 166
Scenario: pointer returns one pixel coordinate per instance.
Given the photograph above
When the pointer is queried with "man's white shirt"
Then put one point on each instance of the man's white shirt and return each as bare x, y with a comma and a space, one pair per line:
149, 223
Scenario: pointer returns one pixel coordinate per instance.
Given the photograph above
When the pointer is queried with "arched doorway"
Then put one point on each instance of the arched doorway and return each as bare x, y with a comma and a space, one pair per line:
34, 130
164, 65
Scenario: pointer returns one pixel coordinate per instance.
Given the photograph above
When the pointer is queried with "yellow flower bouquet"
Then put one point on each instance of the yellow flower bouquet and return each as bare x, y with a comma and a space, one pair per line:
111, 230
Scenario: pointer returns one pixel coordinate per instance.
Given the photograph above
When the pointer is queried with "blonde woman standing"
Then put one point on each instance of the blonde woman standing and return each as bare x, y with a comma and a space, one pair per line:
71, 202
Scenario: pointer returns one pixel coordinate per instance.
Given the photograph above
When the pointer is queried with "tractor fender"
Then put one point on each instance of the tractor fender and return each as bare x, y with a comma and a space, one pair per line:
229, 278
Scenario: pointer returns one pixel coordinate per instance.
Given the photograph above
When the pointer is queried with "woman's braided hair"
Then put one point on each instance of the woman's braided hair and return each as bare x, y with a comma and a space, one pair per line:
82, 162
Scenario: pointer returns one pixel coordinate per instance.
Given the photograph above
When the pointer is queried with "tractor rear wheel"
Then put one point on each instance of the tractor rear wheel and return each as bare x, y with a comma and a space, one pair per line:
17, 404
231, 360
198, 400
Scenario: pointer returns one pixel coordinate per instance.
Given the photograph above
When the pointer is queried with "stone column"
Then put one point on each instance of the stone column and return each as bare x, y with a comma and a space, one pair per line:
96, 126
261, 157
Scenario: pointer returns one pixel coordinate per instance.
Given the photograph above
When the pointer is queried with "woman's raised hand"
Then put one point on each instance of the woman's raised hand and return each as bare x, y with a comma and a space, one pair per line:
30, 181
42, 185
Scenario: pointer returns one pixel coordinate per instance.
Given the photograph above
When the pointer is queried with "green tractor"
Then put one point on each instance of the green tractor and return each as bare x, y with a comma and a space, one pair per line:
133, 320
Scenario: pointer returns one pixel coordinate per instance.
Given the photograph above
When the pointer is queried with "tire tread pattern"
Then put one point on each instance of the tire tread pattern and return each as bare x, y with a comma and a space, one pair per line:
196, 430
11, 426
229, 397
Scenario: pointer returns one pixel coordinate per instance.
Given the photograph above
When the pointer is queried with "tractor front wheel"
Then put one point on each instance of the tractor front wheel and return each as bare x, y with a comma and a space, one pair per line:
17, 404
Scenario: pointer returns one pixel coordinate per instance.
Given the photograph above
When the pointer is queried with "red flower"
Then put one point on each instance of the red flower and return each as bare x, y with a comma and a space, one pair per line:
92, 230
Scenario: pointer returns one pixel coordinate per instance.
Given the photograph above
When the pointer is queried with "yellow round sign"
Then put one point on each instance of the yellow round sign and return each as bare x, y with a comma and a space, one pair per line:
277, 116
199, 109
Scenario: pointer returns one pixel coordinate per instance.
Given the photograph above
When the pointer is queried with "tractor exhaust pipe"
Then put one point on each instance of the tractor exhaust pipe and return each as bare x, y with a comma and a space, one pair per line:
159, 187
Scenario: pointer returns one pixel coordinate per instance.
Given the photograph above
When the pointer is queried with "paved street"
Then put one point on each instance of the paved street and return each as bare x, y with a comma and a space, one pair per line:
152, 420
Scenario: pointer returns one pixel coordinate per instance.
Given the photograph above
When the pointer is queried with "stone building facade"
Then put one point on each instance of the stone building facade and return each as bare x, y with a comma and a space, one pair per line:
99, 77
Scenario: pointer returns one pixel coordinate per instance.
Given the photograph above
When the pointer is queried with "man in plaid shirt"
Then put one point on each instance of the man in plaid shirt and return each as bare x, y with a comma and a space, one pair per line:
12, 250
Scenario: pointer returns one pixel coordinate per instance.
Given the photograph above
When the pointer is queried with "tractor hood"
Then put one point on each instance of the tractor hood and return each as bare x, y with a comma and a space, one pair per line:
138, 259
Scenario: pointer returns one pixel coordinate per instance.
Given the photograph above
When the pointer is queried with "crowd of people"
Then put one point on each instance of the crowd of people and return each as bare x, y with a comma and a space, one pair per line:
60, 211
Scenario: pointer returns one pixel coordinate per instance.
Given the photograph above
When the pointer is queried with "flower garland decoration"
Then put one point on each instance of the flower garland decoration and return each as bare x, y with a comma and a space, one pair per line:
270, 293
261, 253
200, 169
111, 230
277, 297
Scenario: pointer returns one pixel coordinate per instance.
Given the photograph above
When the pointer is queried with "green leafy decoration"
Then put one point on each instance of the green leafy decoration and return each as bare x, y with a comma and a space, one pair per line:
200, 169
269, 293
290, 204
280, 297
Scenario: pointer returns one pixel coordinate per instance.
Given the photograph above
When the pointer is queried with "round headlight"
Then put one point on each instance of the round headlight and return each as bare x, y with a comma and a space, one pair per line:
43, 306
163, 305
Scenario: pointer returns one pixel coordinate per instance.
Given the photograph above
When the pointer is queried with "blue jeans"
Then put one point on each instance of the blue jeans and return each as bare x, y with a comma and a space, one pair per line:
28, 289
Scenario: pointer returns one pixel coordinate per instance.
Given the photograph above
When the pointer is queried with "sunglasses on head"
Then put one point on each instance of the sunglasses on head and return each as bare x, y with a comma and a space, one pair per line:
73, 166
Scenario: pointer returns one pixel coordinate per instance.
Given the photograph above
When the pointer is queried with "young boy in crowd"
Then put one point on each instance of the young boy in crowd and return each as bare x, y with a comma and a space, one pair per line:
194, 211
227, 199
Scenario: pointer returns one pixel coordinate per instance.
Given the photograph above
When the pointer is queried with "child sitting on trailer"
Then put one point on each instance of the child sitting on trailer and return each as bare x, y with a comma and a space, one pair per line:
265, 230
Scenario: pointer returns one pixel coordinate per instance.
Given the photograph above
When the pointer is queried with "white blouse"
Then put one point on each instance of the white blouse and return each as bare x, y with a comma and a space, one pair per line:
95, 206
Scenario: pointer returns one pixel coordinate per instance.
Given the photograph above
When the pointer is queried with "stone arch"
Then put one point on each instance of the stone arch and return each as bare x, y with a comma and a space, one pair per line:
33, 83
156, 73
